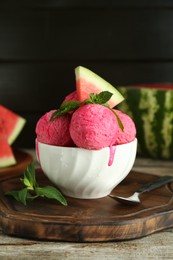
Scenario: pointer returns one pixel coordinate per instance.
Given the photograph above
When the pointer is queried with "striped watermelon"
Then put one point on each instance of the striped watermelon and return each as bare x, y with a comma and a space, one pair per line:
151, 107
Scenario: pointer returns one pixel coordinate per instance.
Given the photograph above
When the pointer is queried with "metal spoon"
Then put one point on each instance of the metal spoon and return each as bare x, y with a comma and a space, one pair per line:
134, 199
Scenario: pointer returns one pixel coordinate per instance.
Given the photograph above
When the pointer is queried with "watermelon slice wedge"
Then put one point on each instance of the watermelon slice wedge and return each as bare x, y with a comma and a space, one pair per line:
88, 82
6, 154
11, 125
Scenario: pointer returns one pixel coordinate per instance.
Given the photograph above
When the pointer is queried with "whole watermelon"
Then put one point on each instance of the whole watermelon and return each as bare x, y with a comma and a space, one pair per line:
151, 107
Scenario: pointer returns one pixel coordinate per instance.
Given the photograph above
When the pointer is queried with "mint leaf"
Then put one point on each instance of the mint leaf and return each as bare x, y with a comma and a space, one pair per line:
31, 197
65, 108
29, 176
30, 183
72, 105
23, 195
119, 120
101, 98
20, 195
51, 193
14, 194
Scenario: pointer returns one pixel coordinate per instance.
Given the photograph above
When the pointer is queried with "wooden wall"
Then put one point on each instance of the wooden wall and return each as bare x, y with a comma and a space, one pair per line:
42, 41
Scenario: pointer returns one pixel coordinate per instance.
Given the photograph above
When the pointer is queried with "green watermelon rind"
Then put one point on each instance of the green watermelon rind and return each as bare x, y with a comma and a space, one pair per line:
11, 125
100, 83
152, 112
17, 129
7, 158
7, 161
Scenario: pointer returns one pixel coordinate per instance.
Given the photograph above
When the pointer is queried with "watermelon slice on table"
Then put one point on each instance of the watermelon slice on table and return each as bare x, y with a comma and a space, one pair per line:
6, 154
11, 125
88, 82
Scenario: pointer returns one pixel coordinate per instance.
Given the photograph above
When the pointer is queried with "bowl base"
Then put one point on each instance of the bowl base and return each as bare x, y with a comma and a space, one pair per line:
84, 196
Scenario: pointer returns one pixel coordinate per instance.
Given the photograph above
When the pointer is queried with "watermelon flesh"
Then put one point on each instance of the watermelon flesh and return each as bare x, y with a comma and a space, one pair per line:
88, 82
6, 153
11, 125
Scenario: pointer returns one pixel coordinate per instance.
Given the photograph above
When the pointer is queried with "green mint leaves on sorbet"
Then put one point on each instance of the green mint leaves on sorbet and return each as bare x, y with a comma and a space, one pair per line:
118, 120
102, 98
65, 108
32, 190
72, 105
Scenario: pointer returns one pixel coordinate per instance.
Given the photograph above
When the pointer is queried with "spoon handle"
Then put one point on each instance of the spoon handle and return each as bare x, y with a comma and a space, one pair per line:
155, 184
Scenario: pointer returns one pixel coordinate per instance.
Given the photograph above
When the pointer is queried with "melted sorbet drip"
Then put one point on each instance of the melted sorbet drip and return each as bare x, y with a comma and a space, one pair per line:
111, 155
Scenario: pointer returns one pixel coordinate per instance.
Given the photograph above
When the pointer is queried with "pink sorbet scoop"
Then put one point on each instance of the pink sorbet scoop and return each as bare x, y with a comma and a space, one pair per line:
70, 97
93, 126
129, 132
54, 132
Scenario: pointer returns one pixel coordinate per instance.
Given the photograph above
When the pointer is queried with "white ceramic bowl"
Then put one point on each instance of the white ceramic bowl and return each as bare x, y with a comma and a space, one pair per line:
86, 174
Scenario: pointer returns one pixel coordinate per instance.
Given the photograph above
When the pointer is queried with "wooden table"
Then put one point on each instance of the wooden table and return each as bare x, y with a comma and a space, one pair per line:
155, 246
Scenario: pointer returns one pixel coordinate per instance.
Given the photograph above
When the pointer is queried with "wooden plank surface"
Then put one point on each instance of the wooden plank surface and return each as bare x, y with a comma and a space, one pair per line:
156, 246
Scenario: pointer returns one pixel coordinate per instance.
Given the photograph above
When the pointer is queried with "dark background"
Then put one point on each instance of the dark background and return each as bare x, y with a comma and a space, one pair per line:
42, 41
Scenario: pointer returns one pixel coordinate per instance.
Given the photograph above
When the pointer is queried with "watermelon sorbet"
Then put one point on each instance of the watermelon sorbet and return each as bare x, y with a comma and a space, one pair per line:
129, 131
93, 126
87, 132
54, 132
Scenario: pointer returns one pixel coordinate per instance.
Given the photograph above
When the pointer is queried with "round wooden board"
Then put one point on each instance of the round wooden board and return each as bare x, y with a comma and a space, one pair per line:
87, 220
22, 158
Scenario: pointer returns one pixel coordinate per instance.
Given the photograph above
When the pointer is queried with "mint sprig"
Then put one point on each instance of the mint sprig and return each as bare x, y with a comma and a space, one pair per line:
118, 120
72, 105
32, 190
65, 108
102, 98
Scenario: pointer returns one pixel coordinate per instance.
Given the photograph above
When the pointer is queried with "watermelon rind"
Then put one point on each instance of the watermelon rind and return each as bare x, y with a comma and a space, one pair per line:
11, 123
18, 128
7, 157
152, 112
98, 83
7, 161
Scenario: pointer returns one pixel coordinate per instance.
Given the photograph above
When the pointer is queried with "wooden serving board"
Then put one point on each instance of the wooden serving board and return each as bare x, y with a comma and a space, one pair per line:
87, 220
